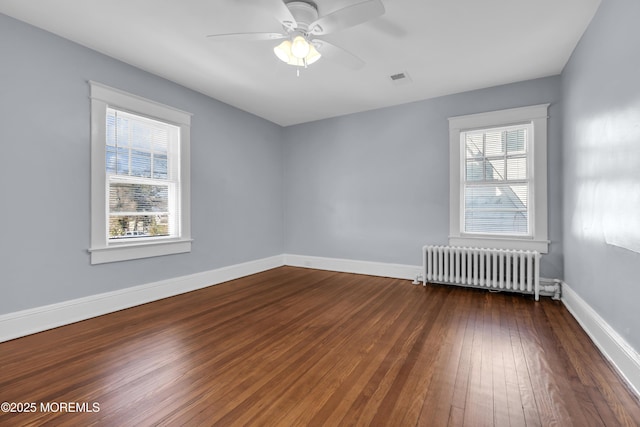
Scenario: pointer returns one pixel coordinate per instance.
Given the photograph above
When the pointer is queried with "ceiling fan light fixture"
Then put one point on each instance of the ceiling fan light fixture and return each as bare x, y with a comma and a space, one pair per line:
284, 52
300, 47
313, 55
303, 30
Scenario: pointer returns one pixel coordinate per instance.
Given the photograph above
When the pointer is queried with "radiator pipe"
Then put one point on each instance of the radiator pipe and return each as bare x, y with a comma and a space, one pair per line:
555, 289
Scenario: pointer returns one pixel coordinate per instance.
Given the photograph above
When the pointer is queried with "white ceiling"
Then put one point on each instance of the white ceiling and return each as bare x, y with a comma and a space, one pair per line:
446, 46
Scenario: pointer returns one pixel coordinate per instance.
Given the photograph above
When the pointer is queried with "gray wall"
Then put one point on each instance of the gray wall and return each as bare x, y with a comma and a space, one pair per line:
44, 137
374, 186
601, 97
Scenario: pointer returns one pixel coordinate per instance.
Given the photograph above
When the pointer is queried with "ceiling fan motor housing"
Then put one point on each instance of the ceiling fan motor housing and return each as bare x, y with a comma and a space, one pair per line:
304, 13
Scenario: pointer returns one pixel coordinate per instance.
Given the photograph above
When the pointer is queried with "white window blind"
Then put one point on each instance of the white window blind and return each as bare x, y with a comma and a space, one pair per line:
497, 183
142, 177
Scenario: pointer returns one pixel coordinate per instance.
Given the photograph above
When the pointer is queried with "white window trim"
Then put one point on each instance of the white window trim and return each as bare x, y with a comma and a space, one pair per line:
101, 250
537, 115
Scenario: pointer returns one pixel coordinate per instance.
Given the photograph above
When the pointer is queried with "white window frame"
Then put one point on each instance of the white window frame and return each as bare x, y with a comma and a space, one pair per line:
535, 115
102, 250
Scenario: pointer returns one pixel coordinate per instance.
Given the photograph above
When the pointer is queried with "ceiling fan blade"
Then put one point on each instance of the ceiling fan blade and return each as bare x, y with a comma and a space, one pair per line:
246, 36
338, 54
277, 8
347, 17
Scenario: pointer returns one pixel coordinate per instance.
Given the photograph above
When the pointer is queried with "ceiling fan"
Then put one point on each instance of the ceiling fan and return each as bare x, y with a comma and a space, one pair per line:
303, 29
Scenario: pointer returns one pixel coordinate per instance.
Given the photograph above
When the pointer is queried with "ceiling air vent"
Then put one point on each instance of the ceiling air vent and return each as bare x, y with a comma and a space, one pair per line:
400, 78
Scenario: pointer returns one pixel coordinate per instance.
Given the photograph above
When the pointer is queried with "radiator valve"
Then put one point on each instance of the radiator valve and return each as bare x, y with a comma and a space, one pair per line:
418, 279
555, 288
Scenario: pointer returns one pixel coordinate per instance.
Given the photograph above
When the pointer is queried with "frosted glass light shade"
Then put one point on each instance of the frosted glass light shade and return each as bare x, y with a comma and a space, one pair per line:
284, 52
313, 55
299, 47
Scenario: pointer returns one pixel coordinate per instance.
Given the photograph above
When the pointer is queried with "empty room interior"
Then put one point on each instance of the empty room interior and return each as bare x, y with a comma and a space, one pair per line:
327, 212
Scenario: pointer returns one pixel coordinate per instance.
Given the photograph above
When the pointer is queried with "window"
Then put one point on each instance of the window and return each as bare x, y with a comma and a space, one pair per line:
498, 179
140, 177
496, 182
143, 184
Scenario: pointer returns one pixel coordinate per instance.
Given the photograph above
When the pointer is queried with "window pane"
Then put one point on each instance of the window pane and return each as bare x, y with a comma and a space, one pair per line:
122, 131
140, 135
159, 140
474, 170
517, 168
111, 127
494, 170
160, 166
141, 144
474, 145
122, 161
496, 222
140, 163
499, 197
494, 143
516, 140
138, 198
111, 160
500, 209
137, 226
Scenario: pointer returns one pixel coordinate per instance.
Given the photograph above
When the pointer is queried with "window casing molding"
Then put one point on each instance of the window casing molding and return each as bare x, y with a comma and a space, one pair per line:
102, 250
537, 239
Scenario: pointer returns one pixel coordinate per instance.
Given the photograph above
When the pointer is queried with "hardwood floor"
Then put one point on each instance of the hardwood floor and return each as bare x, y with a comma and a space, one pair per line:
297, 347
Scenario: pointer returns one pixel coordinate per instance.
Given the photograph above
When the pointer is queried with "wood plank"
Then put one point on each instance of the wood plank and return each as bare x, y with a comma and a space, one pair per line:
479, 401
437, 401
515, 407
503, 414
527, 397
459, 399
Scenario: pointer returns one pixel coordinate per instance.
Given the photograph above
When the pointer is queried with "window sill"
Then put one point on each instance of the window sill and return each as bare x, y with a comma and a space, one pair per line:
128, 251
541, 246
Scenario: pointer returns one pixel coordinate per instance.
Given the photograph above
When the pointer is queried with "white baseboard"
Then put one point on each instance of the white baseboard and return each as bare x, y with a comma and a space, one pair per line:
31, 321
396, 271
25, 322
623, 357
